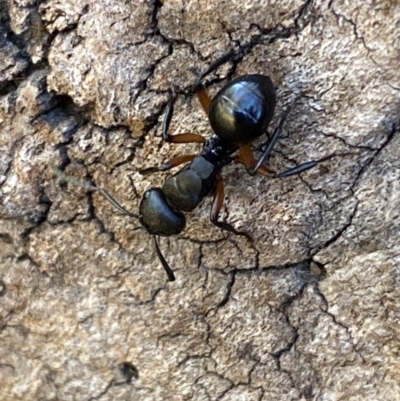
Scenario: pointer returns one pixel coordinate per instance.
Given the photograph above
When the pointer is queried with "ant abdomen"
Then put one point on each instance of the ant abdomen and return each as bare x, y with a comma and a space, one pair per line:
242, 110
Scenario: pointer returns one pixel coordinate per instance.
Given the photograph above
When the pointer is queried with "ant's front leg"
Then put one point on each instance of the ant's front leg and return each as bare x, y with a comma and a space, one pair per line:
216, 207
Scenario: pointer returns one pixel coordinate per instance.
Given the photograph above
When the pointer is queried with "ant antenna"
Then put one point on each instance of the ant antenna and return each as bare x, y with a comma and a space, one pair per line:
168, 270
66, 178
86, 185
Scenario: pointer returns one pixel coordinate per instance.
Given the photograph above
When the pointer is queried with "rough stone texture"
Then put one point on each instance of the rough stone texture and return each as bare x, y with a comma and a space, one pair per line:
85, 310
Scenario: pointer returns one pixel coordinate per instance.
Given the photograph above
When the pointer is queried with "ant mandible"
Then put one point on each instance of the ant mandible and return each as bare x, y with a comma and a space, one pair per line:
239, 113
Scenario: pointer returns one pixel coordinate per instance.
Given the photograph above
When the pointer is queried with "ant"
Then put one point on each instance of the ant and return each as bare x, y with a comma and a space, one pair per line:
239, 114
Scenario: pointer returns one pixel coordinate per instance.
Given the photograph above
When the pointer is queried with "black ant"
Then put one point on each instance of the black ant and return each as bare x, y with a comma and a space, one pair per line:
239, 114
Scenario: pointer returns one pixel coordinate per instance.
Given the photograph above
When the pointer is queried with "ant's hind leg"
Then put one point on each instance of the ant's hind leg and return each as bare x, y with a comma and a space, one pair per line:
214, 65
246, 157
306, 166
275, 136
180, 138
198, 87
204, 99
216, 207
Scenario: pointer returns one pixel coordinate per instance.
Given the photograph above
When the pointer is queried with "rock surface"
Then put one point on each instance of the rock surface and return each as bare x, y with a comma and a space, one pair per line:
86, 312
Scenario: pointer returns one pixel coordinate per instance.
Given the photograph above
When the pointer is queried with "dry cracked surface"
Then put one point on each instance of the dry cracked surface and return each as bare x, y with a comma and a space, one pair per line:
86, 312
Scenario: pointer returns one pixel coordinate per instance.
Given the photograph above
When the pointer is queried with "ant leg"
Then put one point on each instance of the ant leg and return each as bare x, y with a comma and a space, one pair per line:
246, 157
204, 99
306, 166
180, 138
213, 66
93, 188
198, 87
267, 153
216, 207
186, 138
176, 161
168, 270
